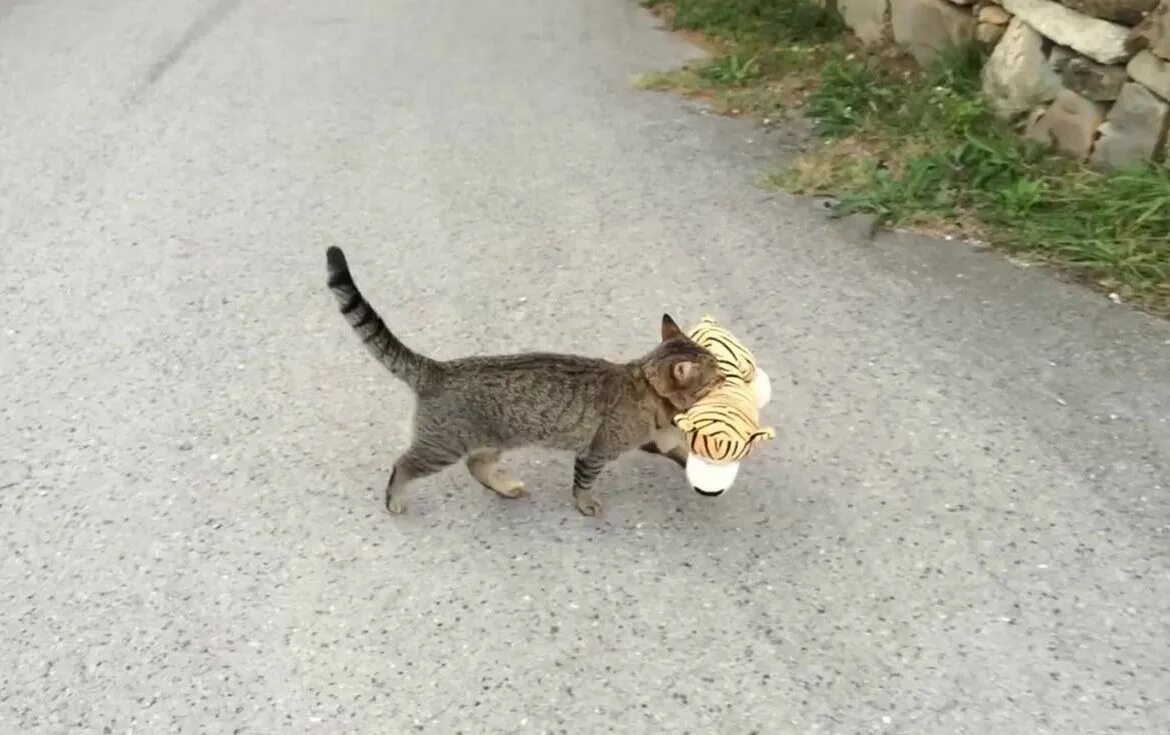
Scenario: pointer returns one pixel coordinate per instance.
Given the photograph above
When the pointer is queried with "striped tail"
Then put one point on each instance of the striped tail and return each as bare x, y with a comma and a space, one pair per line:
406, 364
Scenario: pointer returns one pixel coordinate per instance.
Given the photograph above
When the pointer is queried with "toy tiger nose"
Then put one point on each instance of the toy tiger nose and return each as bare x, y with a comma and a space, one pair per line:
723, 427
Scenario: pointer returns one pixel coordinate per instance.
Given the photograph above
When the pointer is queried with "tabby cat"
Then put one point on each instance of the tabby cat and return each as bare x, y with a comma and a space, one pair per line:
475, 408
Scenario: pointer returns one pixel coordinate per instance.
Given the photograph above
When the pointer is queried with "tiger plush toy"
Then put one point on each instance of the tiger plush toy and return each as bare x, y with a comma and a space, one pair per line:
723, 427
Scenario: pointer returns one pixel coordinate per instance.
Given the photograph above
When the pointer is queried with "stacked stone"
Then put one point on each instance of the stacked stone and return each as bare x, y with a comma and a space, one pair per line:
1089, 77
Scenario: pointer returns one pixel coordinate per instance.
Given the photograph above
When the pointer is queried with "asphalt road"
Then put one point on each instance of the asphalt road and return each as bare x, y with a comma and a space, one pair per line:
963, 525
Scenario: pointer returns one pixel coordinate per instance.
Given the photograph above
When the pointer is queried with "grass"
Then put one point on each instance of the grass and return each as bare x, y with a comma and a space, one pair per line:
758, 22
920, 147
758, 44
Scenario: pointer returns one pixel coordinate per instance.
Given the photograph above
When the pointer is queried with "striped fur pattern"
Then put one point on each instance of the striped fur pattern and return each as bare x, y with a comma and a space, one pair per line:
734, 359
476, 408
723, 427
403, 362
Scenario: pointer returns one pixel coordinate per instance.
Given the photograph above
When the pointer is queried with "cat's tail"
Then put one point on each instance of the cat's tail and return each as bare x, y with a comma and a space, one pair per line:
403, 362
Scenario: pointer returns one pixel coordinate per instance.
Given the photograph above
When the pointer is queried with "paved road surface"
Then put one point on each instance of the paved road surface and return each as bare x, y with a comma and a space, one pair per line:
963, 526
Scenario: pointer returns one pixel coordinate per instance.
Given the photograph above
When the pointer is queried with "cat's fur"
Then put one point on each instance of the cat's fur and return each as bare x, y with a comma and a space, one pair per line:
474, 408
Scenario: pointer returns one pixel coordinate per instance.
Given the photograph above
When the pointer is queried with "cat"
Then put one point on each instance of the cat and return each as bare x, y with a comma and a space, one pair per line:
475, 408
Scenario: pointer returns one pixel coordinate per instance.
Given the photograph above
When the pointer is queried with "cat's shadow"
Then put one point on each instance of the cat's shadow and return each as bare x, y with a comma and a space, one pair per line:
638, 491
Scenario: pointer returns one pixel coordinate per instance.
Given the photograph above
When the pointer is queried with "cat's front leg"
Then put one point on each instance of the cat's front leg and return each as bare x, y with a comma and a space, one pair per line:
586, 468
668, 442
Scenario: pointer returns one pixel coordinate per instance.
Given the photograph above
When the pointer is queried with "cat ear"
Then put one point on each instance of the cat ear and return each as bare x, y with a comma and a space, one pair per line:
670, 330
684, 372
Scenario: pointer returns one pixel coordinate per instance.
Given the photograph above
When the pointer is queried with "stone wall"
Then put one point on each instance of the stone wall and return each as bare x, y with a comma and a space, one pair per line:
1089, 77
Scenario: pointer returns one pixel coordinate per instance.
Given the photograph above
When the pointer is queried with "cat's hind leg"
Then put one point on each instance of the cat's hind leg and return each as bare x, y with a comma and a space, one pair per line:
416, 462
484, 465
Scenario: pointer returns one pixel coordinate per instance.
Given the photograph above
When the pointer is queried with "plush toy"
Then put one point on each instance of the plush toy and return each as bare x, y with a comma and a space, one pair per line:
722, 428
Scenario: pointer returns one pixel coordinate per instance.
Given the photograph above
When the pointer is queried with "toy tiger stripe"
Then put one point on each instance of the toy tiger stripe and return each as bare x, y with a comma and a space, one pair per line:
722, 428
729, 352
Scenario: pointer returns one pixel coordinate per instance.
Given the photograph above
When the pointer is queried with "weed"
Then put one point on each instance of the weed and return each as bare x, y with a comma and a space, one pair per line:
760, 21
848, 94
730, 70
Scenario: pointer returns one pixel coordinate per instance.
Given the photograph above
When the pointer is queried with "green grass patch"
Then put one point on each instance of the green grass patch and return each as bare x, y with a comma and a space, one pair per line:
921, 148
759, 47
939, 157
760, 22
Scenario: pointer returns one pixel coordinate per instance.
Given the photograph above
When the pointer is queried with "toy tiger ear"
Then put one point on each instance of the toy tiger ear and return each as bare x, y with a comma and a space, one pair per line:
684, 423
760, 435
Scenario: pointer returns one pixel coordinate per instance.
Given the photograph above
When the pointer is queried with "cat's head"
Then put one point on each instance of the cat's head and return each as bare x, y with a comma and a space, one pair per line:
679, 370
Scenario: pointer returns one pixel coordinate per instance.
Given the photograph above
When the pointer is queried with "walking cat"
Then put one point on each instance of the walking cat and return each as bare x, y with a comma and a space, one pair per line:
475, 408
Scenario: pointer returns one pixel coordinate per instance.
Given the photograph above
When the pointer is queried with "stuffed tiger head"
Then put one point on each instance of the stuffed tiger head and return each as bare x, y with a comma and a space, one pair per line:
724, 426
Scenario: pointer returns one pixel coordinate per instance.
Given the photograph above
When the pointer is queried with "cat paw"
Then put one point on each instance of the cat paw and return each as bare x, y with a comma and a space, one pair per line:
510, 489
587, 504
396, 506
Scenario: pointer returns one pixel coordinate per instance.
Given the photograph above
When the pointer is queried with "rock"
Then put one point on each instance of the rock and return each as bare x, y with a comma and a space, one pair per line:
1152, 33
1017, 77
1152, 72
1100, 40
927, 27
1134, 129
1096, 81
988, 34
1059, 57
866, 18
1125, 12
994, 15
1069, 124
